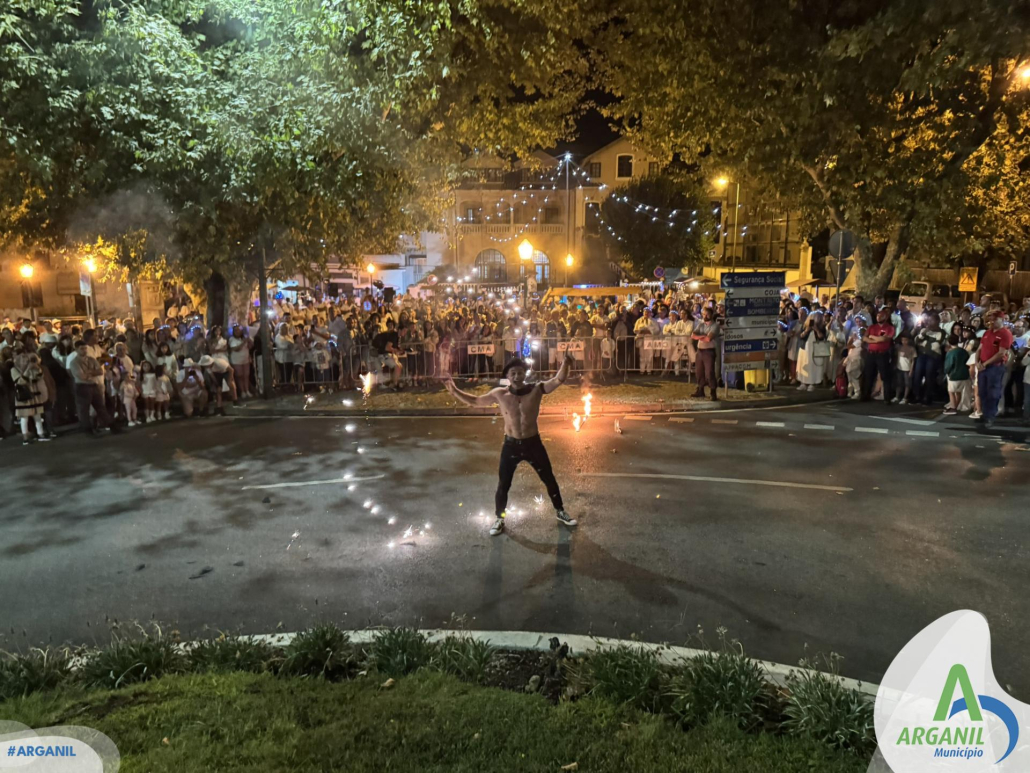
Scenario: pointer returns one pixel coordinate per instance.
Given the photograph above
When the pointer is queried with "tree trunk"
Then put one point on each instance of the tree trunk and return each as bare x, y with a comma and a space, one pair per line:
873, 276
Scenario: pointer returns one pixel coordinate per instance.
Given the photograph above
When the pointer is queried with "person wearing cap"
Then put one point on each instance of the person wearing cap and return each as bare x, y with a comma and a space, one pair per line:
520, 407
990, 366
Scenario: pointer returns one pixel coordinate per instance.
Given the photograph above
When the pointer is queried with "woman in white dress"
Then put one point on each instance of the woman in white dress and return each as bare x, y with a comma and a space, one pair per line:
813, 352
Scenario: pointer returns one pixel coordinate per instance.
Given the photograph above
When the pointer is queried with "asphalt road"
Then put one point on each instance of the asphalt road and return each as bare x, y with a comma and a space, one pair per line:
836, 531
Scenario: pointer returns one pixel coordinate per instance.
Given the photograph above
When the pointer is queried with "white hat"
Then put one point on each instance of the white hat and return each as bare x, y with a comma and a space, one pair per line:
187, 363
206, 361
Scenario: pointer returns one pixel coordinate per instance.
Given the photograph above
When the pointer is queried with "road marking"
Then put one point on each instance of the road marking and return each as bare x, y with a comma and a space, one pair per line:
918, 422
920, 433
636, 417
779, 424
313, 482
819, 426
681, 421
724, 421
704, 479
874, 430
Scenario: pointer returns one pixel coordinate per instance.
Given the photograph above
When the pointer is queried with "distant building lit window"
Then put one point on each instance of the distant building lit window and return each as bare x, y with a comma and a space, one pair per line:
624, 166
652, 168
594, 169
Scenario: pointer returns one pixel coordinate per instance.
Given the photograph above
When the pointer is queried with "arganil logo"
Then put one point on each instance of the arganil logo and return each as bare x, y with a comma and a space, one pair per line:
940, 707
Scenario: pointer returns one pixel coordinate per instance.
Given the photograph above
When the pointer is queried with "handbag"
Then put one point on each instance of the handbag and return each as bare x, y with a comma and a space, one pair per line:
821, 349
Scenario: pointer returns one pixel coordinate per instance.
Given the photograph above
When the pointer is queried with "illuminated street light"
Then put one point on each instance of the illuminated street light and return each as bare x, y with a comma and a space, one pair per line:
371, 268
526, 249
722, 182
26, 270
1025, 73
90, 265
569, 261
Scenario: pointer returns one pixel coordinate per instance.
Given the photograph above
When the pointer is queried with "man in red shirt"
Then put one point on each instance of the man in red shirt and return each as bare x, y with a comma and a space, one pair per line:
878, 340
990, 366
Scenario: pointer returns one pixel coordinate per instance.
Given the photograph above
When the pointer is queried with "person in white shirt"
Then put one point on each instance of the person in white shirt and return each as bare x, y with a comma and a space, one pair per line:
678, 332
645, 330
239, 357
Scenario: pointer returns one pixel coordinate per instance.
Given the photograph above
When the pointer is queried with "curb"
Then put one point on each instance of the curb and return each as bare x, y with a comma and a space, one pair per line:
579, 644
600, 409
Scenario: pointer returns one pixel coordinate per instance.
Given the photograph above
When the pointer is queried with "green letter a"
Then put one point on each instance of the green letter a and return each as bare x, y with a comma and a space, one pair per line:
958, 674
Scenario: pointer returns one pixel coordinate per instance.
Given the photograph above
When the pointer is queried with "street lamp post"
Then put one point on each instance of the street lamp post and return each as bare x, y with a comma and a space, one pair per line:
26, 272
91, 267
371, 269
722, 182
525, 253
569, 261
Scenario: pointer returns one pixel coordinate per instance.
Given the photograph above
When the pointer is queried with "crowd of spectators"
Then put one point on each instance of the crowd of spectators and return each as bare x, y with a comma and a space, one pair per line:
970, 359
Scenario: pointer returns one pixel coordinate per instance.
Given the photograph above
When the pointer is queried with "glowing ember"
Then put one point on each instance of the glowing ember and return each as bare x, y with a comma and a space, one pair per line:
366, 384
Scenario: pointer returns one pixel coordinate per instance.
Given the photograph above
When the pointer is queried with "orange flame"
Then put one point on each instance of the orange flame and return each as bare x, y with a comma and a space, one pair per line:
577, 421
587, 398
366, 384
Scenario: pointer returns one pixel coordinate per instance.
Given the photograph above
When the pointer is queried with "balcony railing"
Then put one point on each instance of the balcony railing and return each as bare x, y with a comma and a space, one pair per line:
495, 229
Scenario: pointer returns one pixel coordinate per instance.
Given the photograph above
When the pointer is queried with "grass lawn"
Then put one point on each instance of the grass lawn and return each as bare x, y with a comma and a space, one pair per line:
426, 722
607, 396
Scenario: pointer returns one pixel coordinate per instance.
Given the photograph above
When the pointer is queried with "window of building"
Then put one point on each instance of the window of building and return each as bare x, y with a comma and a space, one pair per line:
553, 216
491, 266
652, 168
624, 166
594, 169
541, 267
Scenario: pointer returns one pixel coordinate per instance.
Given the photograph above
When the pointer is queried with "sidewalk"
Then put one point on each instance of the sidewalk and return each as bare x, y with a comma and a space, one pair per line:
652, 396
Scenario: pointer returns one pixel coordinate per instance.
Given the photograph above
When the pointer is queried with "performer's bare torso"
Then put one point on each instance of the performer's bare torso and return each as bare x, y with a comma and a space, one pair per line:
520, 412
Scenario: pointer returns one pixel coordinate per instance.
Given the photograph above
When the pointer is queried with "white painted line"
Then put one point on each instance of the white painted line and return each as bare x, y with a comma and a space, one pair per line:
819, 426
724, 421
313, 482
874, 430
920, 433
779, 424
637, 417
918, 422
680, 420
704, 479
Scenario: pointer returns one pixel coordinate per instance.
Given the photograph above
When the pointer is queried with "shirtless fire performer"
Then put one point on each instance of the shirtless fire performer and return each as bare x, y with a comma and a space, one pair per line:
520, 407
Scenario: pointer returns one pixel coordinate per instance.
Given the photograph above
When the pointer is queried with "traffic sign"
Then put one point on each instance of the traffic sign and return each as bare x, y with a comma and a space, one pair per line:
842, 244
739, 367
750, 333
768, 321
746, 357
1013, 267
754, 292
845, 268
752, 307
659, 272
967, 276
761, 345
777, 279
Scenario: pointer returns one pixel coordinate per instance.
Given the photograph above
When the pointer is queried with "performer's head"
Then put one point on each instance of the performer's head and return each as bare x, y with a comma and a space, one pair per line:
515, 371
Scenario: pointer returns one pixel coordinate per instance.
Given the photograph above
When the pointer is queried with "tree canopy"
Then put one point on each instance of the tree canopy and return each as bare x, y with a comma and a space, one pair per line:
658, 220
195, 131
902, 120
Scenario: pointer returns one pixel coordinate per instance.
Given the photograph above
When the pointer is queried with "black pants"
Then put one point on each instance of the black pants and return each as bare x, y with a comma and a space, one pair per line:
873, 364
87, 396
530, 450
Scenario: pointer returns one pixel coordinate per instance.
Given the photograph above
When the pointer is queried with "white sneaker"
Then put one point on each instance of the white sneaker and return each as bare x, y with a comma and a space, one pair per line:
902, 401
976, 415
801, 387
498, 527
811, 387
856, 397
895, 401
131, 424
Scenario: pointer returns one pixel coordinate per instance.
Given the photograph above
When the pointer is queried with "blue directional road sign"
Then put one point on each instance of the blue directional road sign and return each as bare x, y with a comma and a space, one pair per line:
777, 279
752, 308
761, 345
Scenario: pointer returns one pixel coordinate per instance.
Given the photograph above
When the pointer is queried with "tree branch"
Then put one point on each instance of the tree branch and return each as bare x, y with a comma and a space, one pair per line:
835, 213
1001, 82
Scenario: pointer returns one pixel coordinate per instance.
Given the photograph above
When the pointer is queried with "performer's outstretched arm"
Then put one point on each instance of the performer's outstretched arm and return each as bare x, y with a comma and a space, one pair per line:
559, 378
481, 401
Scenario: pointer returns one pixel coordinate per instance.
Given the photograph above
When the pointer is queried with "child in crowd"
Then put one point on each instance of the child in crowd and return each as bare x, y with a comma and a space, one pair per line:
957, 373
129, 392
853, 365
906, 357
148, 388
112, 383
162, 394
122, 360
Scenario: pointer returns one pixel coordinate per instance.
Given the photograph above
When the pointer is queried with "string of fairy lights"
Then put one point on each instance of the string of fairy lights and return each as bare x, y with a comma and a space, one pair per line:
667, 215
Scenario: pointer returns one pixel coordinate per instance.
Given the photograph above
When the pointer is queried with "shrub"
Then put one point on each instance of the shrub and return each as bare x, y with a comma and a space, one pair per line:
38, 669
127, 660
231, 653
321, 651
464, 657
721, 683
821, 707
627, 675
399, 651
